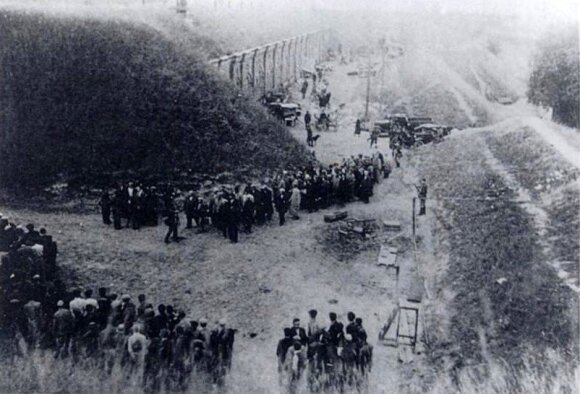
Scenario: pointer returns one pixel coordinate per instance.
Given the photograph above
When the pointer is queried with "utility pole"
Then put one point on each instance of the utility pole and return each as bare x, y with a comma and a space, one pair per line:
368, 87
383, 49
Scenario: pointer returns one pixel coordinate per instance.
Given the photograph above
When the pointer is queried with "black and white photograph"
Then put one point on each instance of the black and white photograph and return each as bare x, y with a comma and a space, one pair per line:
289, 196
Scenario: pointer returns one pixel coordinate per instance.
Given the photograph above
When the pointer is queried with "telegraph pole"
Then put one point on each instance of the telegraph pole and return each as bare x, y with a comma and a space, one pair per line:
383, 49
368, 88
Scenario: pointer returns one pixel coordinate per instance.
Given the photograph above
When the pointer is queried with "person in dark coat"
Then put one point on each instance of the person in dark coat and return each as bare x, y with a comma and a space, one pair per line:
268, 202
304, 89
118, 208
282, 205
104, 310
63, 325
357, 127
422, 194
307, 119
351, 327
235, 213
283, 345
128, 312
299, 333
335, 330
172, 223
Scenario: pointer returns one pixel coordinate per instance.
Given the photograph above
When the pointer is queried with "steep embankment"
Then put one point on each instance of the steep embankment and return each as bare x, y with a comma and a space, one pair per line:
506, 209
82, 97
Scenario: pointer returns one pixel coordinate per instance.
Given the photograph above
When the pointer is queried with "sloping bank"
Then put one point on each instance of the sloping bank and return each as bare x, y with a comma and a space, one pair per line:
85, 97
510, 322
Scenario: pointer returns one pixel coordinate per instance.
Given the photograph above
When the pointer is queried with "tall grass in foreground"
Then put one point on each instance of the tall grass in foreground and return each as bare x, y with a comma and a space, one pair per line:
39, 372
548, 373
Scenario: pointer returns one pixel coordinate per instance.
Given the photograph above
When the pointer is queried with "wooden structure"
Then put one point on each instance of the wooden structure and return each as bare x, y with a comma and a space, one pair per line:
264, 68
388, 259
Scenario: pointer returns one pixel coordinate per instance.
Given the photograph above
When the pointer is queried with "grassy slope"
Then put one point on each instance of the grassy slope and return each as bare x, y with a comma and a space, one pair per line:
489, 240
85, 96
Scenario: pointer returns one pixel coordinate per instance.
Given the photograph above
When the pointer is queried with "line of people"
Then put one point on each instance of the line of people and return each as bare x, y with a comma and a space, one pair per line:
231, 209
334, 358
163, 350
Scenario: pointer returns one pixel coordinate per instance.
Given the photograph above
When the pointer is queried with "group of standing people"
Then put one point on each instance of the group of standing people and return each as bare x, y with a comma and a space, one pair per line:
163, 350
233, 209
134, 203
335, 357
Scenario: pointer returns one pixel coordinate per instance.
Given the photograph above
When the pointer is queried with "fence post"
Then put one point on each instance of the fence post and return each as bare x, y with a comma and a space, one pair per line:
414, 198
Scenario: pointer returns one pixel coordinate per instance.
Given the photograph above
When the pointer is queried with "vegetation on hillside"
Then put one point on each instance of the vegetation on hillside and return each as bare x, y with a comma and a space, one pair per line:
83, 97
554, 80
506, 300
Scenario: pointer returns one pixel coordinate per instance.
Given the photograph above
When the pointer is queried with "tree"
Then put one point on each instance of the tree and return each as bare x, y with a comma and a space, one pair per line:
554, 78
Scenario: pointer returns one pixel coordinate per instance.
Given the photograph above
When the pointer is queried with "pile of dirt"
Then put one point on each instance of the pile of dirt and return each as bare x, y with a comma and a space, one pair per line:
343, 242
83, 98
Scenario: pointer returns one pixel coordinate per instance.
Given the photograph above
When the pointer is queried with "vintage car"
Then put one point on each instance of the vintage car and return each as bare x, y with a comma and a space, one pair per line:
287, 113
429, 132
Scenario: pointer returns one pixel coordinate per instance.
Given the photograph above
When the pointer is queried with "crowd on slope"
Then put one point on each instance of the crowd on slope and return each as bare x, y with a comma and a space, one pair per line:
229, 208
334, 358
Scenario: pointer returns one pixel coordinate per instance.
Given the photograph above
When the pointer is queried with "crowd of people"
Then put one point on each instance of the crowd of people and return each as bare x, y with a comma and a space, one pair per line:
334, 358
133, 202
162, 349
231, 209
27, 267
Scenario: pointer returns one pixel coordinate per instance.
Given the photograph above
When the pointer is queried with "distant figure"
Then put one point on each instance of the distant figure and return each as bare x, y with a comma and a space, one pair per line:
304, 89
307, 118
398, 156
357, 128
374, 138
105, 204
172, 223
422, 193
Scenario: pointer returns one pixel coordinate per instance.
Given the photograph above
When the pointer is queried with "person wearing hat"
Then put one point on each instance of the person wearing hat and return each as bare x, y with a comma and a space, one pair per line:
172, 221
267, 201
335, 329
248, 209
189, 206
202, 213
136, 347
129, 312
203, 333
281, 202
422, 194
63, 325
222, 344
313, 326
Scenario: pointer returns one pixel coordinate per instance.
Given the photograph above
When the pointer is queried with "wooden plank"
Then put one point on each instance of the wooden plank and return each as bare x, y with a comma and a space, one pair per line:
335, 216
388, 261
387, 258
391, 225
